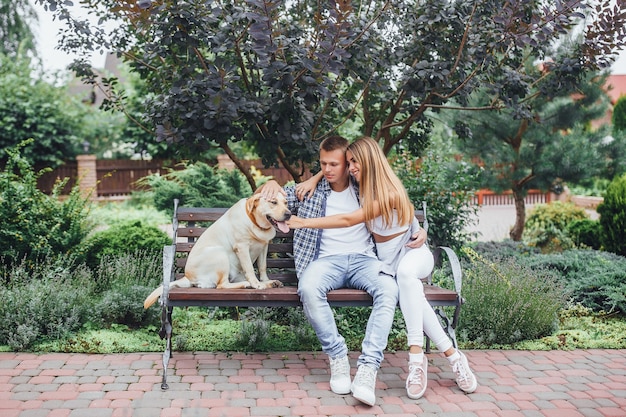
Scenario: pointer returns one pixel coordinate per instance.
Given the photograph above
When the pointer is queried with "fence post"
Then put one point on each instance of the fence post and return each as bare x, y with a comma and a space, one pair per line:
87, 176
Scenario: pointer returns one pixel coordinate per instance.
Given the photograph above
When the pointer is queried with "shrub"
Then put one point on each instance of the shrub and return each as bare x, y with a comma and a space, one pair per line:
448, 188
198, 185
33, 224
595, 279
123, 282
547, 226
507, 301
586, 233
613, 216
122, 239
49, 299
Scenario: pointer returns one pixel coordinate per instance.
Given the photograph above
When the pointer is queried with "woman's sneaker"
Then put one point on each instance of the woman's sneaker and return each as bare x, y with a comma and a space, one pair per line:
417, 379
465, 378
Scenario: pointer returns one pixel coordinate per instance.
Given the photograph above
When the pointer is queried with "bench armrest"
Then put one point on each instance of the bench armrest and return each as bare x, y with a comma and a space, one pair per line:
455, 265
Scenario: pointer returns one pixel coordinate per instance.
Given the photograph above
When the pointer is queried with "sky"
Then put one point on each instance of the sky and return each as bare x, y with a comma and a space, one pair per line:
55, 60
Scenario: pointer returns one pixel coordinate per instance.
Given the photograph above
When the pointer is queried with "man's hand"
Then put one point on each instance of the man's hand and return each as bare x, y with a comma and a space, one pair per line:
417, 239
270, 190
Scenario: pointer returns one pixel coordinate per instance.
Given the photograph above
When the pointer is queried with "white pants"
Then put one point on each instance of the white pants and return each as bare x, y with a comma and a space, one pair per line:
418, 314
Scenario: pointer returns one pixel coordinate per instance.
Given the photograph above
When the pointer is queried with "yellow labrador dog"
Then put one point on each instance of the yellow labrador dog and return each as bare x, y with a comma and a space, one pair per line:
224, 255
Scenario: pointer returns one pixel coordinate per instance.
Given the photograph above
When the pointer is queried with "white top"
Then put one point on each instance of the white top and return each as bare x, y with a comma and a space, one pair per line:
353, 239
378, 226
393, 250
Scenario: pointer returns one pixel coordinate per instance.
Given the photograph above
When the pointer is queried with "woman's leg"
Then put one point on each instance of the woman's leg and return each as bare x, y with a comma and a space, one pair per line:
415, 265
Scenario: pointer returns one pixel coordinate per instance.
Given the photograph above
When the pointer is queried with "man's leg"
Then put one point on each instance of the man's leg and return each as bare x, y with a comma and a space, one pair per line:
322, 275
364, 274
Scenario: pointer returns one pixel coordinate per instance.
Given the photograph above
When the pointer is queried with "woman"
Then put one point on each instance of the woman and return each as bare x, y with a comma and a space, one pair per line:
389, 214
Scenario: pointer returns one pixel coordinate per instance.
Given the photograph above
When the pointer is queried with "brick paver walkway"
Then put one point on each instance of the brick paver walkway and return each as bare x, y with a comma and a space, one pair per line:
589, 383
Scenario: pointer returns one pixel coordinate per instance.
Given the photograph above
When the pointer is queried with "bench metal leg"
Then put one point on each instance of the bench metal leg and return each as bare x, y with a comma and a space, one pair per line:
448, 325
166, 333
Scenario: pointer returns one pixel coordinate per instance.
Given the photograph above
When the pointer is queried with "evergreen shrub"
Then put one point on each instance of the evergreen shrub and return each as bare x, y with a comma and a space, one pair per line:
34, 225
197, 185
612, 213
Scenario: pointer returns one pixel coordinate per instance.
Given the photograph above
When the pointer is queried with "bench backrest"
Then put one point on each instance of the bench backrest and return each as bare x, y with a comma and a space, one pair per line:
189, 223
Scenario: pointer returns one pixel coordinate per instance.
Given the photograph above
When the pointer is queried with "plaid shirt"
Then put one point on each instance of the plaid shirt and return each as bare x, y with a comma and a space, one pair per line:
306, 242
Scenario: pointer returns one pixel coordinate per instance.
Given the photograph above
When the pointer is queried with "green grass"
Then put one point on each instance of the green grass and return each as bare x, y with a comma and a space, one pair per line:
195, 330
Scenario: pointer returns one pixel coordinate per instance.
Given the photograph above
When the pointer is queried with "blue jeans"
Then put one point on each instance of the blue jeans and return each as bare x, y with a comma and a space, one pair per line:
353, 271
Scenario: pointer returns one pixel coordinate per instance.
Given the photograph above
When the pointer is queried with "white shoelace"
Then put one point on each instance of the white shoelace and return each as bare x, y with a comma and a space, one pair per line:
366, 377
415, 376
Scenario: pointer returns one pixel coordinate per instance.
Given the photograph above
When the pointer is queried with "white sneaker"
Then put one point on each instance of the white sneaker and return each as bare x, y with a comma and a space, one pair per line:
417, 379
340, 375
465, 378
364, 385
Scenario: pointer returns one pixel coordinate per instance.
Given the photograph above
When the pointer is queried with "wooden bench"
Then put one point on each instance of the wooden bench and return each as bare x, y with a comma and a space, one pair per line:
188, 225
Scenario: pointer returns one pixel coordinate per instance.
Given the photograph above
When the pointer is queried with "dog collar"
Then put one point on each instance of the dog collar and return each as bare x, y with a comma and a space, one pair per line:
253, 220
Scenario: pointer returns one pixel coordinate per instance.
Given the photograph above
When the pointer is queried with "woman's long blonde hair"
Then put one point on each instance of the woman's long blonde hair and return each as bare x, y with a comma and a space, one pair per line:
380, 184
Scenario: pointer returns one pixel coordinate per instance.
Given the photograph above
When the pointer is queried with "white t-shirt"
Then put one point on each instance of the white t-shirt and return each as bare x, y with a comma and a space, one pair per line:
353, 239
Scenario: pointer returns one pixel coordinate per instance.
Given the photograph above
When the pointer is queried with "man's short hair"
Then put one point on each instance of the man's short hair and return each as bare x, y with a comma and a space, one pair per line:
332, 143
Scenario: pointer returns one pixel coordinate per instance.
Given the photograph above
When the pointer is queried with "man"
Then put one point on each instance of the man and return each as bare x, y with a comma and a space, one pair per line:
334, 258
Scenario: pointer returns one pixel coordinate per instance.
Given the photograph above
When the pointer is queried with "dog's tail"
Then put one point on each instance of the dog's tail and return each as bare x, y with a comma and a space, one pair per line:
154, 295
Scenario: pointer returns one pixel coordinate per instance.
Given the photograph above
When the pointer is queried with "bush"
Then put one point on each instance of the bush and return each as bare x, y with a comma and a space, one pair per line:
613, 216
49, 300
448, 188
547, 226
33, 224
198, 185
124, 282
122, 239
506, 301
595, 279
586, 233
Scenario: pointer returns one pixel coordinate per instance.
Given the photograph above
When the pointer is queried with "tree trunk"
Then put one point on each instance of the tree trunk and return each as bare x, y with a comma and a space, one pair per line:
239, 165
520, 215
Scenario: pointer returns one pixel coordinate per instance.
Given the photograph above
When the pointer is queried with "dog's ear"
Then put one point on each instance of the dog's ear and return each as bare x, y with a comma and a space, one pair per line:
252, 203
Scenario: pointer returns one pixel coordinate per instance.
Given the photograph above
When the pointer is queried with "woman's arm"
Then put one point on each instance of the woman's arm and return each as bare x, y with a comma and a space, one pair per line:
331, 222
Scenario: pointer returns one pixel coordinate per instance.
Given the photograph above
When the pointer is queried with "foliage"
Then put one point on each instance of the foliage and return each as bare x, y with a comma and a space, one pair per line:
33, 224
122, 239
548, 226
612, 213
447, 187
506, 301
46, 300
551, 141
34, 109
618, 119
267, 73
17, 19
595, 279
138, 208
197, 185
585, 233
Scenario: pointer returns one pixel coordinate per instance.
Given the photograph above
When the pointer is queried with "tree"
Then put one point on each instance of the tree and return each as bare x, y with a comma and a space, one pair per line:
16, 18
555, 145
34, 109
282, 75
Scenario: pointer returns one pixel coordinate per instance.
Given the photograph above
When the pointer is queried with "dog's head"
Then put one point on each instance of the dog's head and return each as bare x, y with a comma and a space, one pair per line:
274, 212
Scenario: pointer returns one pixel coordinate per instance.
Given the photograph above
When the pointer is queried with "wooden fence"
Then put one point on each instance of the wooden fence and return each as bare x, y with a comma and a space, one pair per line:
117, 179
